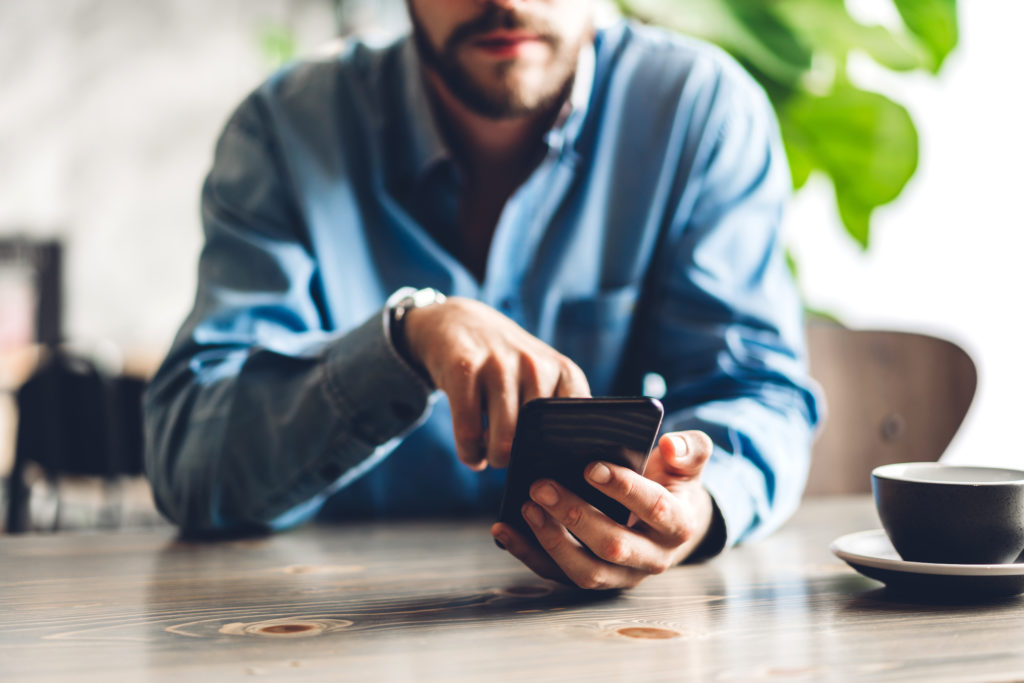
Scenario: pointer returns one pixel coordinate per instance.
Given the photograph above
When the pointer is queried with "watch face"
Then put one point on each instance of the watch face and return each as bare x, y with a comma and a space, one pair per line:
426, 297
411, 299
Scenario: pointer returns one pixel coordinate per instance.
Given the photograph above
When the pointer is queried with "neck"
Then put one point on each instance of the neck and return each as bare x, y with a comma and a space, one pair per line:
488, 145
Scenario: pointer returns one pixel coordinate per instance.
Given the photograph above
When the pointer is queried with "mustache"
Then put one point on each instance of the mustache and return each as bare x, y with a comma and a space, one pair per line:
496, 18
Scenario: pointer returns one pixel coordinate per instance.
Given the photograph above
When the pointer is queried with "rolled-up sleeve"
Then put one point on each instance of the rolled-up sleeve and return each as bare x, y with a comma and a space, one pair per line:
726, 324
261, 409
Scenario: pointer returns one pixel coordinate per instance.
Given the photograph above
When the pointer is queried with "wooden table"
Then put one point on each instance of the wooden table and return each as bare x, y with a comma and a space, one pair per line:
437, 601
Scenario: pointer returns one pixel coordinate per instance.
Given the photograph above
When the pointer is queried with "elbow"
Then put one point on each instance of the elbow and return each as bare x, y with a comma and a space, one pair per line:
182, 464
188, 496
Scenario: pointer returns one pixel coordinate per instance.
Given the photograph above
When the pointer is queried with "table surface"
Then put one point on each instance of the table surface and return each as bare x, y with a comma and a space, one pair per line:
438, 601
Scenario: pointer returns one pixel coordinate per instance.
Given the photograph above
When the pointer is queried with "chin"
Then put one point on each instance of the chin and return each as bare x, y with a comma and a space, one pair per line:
522, 94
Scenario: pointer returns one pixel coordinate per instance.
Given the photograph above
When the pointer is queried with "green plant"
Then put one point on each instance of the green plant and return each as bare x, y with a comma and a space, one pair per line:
278, 44
798, 50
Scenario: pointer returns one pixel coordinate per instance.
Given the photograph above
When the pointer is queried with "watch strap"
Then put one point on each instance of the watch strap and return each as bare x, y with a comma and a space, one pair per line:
399, 304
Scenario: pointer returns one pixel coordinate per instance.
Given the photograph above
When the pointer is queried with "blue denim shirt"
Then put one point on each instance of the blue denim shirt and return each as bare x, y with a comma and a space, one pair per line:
645, 242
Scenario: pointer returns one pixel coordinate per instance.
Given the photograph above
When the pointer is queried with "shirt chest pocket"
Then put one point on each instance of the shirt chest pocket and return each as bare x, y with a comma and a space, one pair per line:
593, 332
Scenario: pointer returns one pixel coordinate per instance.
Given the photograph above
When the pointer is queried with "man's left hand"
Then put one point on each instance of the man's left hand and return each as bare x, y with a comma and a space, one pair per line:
671, 514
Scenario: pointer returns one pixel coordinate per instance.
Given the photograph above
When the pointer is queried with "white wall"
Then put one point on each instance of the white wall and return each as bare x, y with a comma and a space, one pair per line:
946, 256
109, 110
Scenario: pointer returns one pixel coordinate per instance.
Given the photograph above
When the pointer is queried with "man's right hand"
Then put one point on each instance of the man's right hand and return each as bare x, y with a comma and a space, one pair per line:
485, 362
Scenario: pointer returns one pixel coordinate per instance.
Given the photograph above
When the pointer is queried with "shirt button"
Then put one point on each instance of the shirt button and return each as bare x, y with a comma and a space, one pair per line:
506, 305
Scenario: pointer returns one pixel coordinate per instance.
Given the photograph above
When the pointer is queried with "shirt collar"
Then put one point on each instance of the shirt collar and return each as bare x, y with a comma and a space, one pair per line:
573, 110
426, 144
427, 147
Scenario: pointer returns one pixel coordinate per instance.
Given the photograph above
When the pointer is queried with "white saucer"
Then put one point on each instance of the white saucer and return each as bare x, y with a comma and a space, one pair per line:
871, 554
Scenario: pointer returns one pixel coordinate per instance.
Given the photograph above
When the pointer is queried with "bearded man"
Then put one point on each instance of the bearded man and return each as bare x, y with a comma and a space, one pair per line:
406, 244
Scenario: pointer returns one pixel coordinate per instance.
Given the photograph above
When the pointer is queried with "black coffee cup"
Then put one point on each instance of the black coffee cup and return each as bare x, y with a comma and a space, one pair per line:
951, 514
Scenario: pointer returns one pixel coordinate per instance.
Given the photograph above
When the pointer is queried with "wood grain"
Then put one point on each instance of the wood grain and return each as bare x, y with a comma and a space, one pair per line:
437, 601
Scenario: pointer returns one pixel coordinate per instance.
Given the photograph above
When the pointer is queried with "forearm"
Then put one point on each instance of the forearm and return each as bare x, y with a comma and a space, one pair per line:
257, 437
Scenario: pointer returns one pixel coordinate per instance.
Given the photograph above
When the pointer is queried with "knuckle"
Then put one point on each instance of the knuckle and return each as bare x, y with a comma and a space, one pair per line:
624, 485
565, 366
528, 366
578, 374
680, 534
614, 550
659, 566
593, 580
573, 517
660, 511
578, 379
464, 368
492, 366
551, 543
495, 364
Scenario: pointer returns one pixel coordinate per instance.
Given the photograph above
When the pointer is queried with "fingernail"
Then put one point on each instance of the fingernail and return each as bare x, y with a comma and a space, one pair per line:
534, 514
681, 449
545, 495
600, 473
500, 541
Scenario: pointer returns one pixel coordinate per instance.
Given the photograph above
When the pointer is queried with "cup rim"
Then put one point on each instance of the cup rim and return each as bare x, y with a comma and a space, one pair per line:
905, 471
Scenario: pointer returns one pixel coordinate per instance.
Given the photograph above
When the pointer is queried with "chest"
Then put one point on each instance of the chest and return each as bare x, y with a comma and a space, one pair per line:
479, 210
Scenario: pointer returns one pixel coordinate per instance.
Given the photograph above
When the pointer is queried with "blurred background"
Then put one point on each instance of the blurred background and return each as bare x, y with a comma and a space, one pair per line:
902, 120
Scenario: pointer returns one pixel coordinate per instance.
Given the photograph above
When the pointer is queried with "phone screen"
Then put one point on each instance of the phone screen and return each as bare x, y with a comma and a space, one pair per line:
556, 438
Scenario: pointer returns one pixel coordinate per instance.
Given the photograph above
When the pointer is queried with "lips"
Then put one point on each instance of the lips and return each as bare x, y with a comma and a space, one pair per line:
507, 43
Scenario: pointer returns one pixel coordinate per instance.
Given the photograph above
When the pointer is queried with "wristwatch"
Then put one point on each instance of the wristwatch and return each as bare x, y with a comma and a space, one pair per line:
398, 305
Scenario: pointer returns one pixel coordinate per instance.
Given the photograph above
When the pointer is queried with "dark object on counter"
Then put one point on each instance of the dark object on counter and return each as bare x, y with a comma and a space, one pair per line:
74, 420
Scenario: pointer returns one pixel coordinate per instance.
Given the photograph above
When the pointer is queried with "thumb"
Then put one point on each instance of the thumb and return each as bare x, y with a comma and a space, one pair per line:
685, 453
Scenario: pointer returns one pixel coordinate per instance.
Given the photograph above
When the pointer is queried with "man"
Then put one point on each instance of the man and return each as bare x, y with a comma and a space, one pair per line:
600, 207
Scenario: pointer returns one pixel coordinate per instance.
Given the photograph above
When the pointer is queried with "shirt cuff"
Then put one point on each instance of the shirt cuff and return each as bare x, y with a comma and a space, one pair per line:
371, 386
735, 506
714, 541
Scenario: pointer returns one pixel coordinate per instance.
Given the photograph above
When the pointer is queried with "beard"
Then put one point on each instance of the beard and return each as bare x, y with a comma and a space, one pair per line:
506, 94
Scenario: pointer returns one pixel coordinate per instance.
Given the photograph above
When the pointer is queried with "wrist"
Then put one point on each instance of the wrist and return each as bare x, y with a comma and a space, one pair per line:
714, 538
403, 305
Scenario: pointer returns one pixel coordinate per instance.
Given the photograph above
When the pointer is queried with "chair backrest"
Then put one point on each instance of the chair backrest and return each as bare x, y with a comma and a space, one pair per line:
892, 397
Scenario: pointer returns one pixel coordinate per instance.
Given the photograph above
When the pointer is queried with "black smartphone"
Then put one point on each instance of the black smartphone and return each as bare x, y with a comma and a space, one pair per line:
556, 438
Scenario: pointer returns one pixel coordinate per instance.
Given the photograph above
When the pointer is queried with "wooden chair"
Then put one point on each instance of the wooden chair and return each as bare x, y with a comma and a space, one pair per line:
891, 396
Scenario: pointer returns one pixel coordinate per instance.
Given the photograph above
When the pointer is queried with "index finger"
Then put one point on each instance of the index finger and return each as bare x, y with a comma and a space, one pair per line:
572, 381
651, 502
502, 410
464, 400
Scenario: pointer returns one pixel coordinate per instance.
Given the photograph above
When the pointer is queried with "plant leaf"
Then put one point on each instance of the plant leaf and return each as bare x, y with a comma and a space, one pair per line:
831, 29
793, 265
934, 22
730, 24
856, 217
864, 141
760, 20
278, 44
798, 51
798, 152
